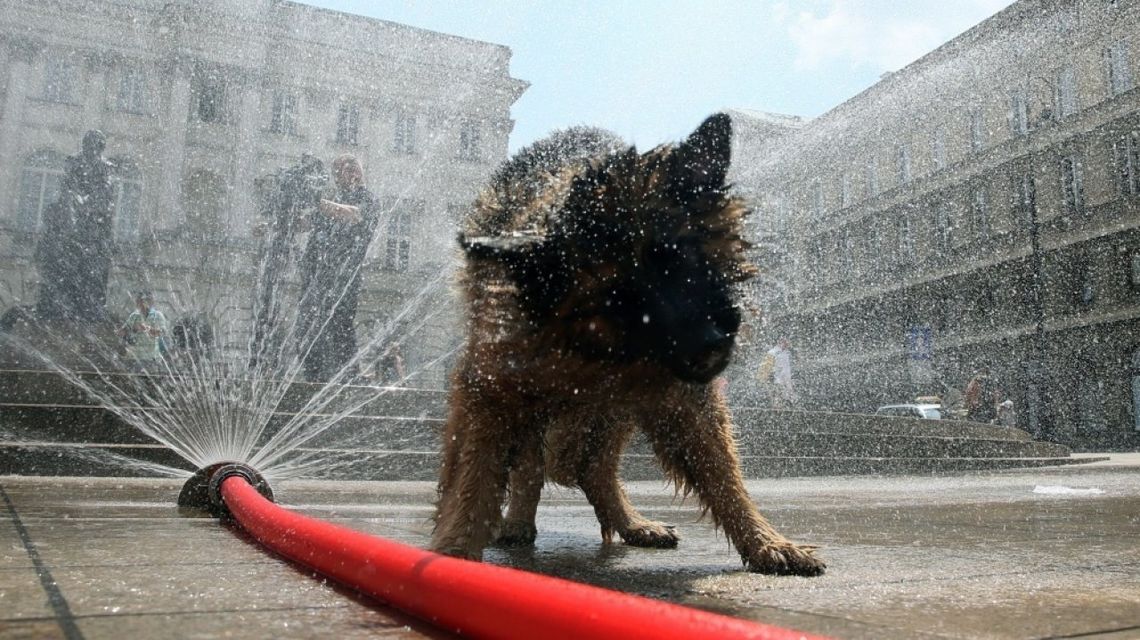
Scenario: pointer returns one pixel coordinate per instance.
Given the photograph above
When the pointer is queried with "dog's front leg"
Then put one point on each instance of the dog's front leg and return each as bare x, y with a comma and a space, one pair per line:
692, 437
528, 475
477, 445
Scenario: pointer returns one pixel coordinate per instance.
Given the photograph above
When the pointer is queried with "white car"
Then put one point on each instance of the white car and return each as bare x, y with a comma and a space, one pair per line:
924, 411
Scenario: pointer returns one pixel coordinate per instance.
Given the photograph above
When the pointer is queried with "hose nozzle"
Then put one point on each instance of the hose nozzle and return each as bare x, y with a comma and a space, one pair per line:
203, 491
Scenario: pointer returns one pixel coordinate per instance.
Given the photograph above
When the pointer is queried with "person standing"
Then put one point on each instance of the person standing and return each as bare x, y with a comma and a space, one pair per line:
144, 333
391, 365
981, 398
74, 251
288, 207
342, 230
779, 361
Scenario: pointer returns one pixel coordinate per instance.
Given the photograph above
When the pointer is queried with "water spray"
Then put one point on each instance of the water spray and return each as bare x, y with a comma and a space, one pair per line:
469, 598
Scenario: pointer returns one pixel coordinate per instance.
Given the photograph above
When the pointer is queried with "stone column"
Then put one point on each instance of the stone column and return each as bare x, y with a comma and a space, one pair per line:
172, 146
21, 53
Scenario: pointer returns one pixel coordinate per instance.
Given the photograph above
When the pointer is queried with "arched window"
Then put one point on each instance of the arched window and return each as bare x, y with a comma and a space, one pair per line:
127, 187
39, 187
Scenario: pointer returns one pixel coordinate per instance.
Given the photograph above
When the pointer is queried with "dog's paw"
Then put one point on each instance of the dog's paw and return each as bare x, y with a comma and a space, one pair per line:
516, 533
785, 559
656, 535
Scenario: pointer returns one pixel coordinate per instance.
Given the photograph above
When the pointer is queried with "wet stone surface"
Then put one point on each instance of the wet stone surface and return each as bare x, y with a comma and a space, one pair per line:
1015, 554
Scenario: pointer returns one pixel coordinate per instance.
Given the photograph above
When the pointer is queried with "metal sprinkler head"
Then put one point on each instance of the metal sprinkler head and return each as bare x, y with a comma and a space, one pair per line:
203, 491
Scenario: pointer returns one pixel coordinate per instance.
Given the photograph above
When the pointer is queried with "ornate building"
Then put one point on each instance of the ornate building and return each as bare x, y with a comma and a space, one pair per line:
199, 98
976, 209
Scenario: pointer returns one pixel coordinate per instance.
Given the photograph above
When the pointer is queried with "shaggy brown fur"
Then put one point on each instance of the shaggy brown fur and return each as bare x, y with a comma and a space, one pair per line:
599, 292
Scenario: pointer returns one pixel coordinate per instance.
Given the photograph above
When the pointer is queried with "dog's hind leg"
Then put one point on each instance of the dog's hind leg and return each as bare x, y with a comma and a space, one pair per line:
526, 480
692, 437
597, 476
476, 458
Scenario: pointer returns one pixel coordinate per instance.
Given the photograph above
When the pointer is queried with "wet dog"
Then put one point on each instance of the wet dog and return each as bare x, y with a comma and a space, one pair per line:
600, 290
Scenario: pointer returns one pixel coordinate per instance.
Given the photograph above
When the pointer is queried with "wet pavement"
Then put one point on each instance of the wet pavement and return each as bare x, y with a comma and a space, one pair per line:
1041, 553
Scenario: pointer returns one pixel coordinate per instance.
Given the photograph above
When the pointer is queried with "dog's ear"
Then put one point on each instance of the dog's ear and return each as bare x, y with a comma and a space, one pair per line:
701, 162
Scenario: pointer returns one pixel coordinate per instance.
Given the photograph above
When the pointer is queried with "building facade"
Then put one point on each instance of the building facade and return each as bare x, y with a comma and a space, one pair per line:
979, 208
199, 99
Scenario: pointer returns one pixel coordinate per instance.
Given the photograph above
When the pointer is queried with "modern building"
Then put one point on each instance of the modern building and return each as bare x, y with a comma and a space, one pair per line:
976, 209
201, 98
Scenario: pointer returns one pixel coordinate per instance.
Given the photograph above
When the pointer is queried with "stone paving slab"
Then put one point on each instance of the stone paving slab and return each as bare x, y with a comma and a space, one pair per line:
974, 555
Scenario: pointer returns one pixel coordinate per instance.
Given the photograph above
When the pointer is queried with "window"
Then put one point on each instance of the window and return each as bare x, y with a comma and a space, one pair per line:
404, 140
845, 190
818, 253
977, 130
902, 158
905, 237
1072, 185
470, 141
1065, 88
847, 250
1025, 198
871, 174
1086, 285
938, 149
1118, 67
283, 118
132, 91
348, 124
126, 185
1018, 113
874, 243
1127, 150
980, 212
59, 81
817, 208
942, 227
40, 182
209, 90
398, 245
1090, 405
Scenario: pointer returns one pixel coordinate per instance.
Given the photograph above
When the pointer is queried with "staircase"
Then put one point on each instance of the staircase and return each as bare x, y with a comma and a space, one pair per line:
50, 427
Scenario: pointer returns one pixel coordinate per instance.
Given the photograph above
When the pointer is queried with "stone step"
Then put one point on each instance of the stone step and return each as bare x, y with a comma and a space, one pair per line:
93, 425
762, 419
34, 387
97, 460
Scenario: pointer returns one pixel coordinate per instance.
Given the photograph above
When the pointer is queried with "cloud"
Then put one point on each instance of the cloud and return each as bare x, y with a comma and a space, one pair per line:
868, 34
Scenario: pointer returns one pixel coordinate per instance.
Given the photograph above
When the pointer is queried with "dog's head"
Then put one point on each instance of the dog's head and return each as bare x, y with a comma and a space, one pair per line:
638, 257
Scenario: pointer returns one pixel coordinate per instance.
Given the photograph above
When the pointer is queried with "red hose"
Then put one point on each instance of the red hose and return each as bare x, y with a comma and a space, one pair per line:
473, 598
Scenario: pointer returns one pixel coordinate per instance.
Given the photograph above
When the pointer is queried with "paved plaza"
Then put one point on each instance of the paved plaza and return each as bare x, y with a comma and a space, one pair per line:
1041, 553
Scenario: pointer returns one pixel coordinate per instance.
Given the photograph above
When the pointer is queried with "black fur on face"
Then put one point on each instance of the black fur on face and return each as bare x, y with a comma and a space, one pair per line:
631, 262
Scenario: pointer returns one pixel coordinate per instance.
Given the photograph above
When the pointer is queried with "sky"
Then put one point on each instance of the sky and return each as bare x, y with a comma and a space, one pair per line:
652, 70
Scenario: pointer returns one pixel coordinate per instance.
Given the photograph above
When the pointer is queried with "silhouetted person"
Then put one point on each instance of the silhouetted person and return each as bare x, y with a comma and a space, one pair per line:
293, 198
981, 398
74, 251
391, 365
331, 274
